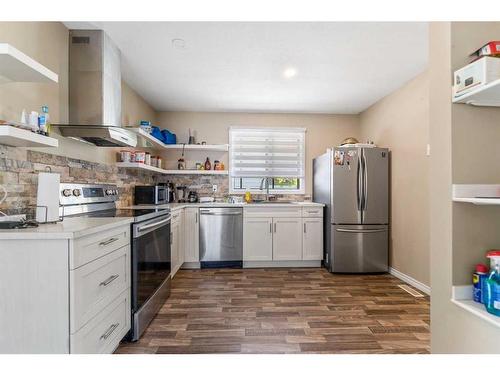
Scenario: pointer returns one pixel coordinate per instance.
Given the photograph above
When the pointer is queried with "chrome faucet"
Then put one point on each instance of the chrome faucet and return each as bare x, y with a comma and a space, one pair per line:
266, 180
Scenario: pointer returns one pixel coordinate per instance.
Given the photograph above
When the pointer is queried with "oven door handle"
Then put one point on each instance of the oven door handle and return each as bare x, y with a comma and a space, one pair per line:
153, 225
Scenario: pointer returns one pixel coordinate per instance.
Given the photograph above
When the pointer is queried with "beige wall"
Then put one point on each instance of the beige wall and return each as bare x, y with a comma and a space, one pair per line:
47, 42
400, 121
464, 143
323, 131
135, 108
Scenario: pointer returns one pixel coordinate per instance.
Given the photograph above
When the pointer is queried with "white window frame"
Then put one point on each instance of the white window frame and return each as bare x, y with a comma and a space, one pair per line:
300, 191
302, 181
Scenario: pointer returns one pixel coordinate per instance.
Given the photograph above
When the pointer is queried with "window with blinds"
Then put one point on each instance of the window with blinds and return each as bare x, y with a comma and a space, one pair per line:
267, 152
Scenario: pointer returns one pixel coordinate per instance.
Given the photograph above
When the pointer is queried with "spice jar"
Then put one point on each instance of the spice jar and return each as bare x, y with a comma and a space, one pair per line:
181, 164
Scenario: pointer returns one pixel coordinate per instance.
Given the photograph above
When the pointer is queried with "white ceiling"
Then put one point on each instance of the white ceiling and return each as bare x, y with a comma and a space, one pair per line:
342, 67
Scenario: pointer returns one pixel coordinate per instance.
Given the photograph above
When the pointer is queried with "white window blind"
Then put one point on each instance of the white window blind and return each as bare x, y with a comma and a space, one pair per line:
267, 152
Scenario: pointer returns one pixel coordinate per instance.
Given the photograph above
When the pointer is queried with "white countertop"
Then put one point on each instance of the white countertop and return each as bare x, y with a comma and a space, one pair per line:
179, 206
71, 227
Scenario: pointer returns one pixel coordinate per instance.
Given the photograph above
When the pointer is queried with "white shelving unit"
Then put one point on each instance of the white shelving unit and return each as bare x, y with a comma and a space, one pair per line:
17, 137
170, 171
147, 140
487, 95
461, 296
480, 195
16, 66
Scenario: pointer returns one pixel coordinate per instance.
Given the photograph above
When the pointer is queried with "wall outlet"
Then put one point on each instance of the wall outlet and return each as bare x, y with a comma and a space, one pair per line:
214, 188
428, 151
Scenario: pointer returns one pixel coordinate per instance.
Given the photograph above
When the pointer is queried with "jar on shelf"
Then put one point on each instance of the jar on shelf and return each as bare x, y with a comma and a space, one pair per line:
140, 157
216, 165
181, 164
147, 158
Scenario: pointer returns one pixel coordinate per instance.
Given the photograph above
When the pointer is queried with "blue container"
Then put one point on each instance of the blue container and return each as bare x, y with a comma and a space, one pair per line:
478, 279
156, 132
169, 138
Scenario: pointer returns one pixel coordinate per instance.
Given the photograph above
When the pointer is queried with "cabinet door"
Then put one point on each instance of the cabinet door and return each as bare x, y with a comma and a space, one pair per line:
257, 239
192, 235
182, 239
174, 246
287, 238
312, 239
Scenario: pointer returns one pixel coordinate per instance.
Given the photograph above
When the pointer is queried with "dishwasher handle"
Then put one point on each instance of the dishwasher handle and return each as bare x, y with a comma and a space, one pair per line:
220, 213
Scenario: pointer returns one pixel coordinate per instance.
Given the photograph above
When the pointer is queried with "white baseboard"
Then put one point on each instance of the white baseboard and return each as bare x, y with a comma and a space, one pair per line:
281, 263
410, 280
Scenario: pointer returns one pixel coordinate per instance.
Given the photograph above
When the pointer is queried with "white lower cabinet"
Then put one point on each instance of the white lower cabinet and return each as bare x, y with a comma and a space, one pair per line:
257, 239
191, 234
312, 239
283, 236
72, 297
287, 238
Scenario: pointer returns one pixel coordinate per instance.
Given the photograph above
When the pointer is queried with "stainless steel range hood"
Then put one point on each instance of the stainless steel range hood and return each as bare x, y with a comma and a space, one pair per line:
95, 91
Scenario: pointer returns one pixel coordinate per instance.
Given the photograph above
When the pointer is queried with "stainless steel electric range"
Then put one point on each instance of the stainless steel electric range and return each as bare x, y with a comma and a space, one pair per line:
150, 239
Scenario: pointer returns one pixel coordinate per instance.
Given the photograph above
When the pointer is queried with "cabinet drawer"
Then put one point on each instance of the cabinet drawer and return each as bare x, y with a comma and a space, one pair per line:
312, 211
94, 285
88, 248
105, 331
269, 211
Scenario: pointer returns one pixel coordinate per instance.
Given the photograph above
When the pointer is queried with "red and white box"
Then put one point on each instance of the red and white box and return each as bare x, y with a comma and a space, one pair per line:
489, 49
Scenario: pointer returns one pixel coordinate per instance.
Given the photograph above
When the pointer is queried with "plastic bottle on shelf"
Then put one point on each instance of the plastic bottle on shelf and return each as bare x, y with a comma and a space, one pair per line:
43, 120
478, 279
492, 284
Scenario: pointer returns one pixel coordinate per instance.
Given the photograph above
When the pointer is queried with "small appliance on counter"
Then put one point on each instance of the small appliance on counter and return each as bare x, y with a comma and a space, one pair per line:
156, 194
181, 194
47, 199
192, 197
207, 199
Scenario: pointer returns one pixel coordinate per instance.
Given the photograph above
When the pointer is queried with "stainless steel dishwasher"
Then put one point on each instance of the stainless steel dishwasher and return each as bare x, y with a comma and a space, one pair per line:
221, 237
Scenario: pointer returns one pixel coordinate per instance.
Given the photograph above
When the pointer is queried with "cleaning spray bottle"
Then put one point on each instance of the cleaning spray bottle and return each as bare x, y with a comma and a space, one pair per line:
492, 284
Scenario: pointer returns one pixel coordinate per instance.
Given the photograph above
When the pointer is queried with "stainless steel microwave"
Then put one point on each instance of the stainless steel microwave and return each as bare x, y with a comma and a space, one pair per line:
151, 194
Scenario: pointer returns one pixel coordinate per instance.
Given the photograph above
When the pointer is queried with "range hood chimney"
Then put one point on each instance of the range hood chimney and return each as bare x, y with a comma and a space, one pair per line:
95, 91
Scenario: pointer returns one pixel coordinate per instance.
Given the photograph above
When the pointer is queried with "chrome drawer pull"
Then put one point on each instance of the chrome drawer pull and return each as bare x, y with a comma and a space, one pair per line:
109, 331
109, 280
111, 240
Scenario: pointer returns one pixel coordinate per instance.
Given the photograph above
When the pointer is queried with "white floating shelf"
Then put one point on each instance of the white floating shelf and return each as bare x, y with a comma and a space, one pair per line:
17, 137
487, 95
170, 171
15, 66
147, 140
481, 195
178, 146
462, 297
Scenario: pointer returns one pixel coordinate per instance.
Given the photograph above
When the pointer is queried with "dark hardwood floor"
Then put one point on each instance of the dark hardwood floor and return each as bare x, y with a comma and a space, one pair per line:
286, 311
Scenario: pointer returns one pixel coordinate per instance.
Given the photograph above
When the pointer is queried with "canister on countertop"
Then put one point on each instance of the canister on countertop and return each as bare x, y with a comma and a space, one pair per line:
478, 279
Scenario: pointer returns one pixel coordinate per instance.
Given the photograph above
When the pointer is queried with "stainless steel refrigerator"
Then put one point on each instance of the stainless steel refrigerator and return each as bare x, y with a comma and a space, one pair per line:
353, 183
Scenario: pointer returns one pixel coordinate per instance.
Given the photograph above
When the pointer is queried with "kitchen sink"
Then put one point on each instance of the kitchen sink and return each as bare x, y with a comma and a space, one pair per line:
272, 202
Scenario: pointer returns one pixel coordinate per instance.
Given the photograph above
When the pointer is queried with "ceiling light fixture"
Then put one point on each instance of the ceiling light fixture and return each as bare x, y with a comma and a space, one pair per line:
289, 73
178, 43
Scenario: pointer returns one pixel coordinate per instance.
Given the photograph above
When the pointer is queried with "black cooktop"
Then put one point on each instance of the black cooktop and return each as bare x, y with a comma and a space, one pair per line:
138, 215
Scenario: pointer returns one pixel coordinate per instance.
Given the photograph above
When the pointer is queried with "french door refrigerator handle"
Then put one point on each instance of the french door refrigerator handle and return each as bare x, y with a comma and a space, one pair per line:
358, 184
365, 183
361, 230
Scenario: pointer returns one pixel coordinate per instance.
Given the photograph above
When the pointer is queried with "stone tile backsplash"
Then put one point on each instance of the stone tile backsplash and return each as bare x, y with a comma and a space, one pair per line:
19, 169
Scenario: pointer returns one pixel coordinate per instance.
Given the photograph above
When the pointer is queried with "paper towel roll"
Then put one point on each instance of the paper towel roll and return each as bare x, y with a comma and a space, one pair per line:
47, 196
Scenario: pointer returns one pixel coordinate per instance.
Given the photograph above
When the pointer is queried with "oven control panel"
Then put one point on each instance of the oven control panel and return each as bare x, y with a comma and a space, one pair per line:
71, 194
